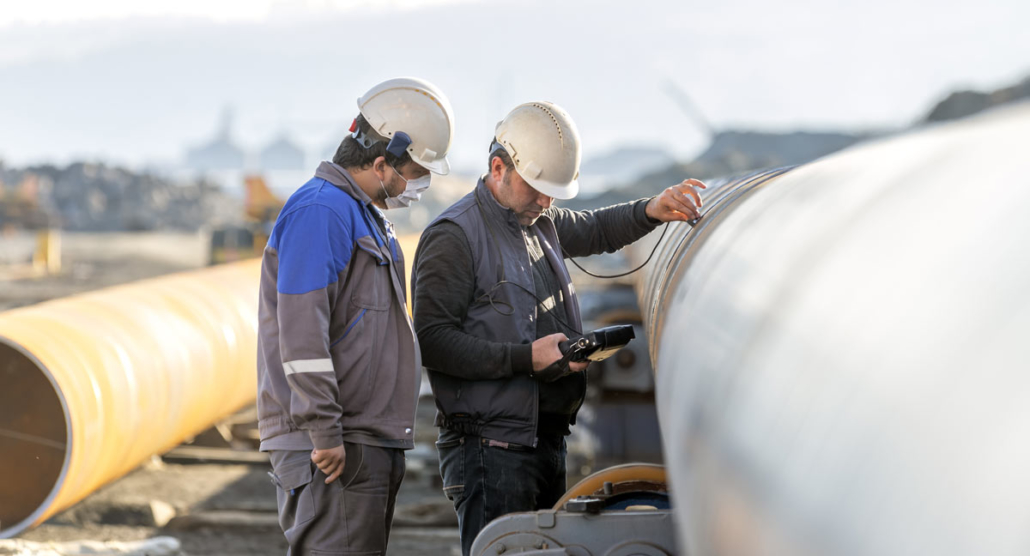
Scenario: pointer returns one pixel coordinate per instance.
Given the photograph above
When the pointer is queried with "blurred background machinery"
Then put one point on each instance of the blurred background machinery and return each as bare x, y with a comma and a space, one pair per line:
247, 239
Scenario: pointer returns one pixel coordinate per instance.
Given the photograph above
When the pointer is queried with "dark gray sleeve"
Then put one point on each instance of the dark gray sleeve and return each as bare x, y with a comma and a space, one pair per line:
604, 230
443, 284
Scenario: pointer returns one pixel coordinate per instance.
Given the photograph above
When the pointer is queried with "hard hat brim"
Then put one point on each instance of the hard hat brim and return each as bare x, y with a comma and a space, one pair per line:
559, 191
440, 167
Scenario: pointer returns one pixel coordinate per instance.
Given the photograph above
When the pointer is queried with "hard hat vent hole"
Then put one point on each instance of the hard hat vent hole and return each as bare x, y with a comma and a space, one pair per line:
557, 126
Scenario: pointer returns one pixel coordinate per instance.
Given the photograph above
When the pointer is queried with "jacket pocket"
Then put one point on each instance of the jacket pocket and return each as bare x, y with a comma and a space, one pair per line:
371, 286
353, 326
354, 360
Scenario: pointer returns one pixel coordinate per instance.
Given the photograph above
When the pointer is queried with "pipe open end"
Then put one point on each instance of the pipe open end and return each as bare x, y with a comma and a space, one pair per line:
34, 439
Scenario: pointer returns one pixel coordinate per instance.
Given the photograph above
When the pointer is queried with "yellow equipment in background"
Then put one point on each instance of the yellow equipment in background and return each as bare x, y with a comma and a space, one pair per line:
261, 208
47, 257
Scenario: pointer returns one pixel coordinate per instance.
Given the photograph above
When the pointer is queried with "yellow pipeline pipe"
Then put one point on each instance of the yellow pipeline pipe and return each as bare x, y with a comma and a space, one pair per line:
92, 385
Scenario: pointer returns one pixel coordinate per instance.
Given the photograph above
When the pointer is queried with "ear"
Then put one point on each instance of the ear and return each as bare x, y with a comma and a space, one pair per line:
497, 169
379, 167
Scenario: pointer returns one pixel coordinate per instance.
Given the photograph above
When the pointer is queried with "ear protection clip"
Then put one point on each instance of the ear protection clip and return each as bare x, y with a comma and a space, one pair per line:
398, 144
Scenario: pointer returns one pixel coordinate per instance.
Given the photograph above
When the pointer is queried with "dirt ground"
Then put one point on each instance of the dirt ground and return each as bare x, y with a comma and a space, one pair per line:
225, 508
230, 509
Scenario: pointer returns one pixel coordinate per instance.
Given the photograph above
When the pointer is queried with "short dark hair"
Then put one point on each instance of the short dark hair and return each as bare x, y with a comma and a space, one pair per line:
351, 154
497, 150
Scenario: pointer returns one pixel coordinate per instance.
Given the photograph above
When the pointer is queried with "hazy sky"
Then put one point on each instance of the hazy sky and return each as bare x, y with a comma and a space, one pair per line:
136, 82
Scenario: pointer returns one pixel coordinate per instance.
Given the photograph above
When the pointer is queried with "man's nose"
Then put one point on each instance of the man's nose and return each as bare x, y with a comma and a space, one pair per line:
544, 201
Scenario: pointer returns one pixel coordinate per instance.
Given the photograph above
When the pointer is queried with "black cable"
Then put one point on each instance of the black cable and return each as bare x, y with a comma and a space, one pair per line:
489, 295
642, 265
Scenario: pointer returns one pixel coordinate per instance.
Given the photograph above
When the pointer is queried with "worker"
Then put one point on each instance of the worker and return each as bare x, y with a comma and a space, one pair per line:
492, 300
339, 365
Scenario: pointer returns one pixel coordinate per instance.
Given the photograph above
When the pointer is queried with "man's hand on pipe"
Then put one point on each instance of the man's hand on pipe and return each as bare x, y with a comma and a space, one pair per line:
679, 202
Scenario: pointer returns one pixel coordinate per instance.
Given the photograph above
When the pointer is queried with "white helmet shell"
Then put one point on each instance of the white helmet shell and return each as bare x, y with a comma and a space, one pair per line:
543, 143
416, 107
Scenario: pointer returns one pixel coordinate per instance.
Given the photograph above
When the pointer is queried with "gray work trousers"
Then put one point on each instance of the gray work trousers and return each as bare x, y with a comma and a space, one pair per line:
352, 515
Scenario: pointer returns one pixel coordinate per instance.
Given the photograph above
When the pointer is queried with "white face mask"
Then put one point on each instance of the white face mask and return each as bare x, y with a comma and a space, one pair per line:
413, 190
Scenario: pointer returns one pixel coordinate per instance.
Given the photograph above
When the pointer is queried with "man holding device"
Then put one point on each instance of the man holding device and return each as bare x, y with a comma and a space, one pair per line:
493, 299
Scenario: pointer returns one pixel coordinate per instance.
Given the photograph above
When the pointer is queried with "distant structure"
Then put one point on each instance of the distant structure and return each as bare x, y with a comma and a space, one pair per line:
220, 153
734, 151
730, 153
960, 104
282, 154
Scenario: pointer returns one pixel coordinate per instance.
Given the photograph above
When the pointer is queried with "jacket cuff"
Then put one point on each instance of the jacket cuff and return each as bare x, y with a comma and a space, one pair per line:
640, 213
325, 439
522, 359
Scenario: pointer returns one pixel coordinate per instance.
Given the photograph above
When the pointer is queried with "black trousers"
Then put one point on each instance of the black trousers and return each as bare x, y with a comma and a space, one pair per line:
487, 479
351, 515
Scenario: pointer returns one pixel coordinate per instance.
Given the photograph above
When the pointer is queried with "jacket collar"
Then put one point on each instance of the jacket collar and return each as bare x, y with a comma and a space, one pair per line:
494, 210
340, 177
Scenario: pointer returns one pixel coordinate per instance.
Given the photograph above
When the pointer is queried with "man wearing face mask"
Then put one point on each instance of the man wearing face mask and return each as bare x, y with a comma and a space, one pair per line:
493, 298
338, 361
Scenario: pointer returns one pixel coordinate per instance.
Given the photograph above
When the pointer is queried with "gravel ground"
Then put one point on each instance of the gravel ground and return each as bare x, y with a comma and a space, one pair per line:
227, 509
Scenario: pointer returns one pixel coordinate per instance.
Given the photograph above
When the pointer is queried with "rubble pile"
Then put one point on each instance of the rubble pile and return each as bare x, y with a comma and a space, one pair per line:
93, 197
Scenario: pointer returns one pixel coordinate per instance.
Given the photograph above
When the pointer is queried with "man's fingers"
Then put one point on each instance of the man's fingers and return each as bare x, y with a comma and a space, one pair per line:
324, 465
695, 183
685, 191
577, 367
672, 210
686, 208
335, 472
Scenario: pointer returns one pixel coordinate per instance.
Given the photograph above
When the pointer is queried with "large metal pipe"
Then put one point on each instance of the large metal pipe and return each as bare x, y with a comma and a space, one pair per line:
92, 385
842, 351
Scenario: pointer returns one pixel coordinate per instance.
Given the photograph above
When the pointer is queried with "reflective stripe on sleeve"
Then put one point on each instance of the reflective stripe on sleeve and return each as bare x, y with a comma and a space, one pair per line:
308, 366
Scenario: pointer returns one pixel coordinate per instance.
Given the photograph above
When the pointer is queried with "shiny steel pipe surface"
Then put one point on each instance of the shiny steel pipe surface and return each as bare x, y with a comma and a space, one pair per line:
842, 351
92, 385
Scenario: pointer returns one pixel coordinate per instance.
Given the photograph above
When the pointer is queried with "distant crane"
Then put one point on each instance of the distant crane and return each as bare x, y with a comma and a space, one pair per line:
682, 100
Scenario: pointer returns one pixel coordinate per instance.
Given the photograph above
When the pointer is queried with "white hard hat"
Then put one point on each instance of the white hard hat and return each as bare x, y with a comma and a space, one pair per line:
543, 143
417, 108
